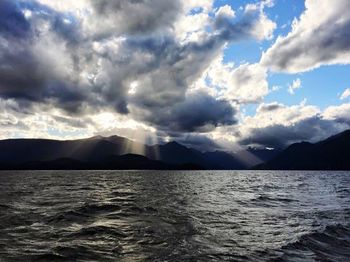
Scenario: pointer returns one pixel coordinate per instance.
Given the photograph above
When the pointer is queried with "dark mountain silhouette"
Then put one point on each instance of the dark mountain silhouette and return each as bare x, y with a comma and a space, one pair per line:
175, 153
124, 162
264, 155
92, 149
117, 152
224, 160
330, 154
107, 153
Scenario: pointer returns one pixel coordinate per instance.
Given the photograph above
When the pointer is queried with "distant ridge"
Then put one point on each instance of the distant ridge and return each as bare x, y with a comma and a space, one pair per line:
117, 152
332, 153
113, 152
123, 162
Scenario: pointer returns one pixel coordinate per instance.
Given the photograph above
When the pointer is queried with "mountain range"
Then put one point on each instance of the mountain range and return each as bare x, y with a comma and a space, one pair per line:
117, 152
330, 154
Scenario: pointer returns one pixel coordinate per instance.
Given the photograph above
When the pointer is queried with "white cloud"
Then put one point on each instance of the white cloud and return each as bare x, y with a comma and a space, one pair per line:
191, 28
64, 5
225, 10
294, 86
259, 5
345, 94
264, 27
276, 88
246, 83
277, 125
206, 5
340, 113
279, 114
319, 37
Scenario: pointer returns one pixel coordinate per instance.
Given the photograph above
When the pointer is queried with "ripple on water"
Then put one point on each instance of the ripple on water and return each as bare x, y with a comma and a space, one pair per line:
174, 216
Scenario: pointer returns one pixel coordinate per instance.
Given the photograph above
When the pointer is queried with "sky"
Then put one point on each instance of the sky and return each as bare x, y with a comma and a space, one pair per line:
209, 74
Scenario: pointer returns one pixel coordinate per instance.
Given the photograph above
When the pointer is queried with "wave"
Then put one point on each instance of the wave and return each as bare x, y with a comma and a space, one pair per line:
332, 244
97, 208
280, 199
87, 211
83, 213
98, 230
268, 201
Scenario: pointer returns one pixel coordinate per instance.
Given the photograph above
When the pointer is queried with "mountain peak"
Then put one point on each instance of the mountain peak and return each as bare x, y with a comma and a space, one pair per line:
343, 134
330, 154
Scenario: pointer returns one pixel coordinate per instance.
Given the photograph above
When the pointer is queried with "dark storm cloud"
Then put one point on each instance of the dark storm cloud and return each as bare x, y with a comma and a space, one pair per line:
173, 68
230, 31
63, 24
163, 78
20, 74
343, 120
56, 62
135, 16
200, 113
25, 73
12, 21
26, 81
311, 129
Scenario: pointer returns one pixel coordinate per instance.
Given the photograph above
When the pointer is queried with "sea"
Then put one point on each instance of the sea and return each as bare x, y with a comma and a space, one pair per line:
174, 216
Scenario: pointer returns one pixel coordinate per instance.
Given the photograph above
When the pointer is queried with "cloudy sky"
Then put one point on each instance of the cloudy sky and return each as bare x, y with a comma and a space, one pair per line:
205, 73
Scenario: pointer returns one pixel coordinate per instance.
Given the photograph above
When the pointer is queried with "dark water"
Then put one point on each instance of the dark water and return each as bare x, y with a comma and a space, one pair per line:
174, 216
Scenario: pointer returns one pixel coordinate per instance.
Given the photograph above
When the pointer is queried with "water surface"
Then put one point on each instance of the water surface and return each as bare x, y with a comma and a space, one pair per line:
174, 216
